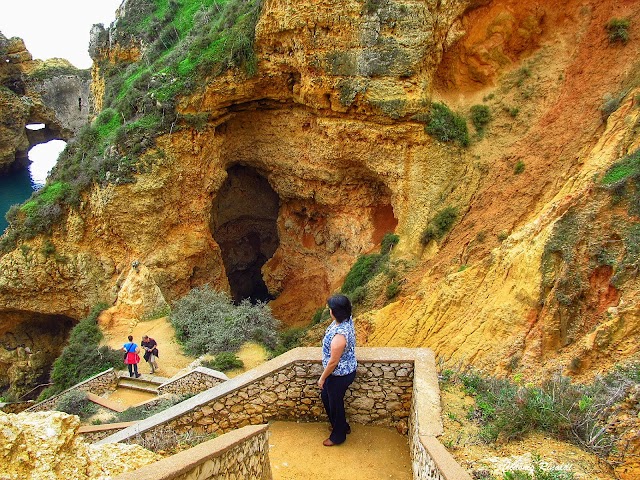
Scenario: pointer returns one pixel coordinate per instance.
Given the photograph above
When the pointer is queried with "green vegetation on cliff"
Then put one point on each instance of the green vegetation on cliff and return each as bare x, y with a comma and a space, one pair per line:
83, 356
186, 43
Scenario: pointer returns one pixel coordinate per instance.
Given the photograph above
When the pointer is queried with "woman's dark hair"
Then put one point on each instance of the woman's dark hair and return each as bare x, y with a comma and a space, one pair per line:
130, 337
340, 306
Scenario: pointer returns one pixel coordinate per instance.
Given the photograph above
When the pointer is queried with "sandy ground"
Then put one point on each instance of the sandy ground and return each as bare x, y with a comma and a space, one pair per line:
171, 357
297, 453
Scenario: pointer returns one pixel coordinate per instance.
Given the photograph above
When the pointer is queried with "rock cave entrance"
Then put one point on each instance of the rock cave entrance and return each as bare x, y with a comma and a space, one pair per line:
29, 344
244, 223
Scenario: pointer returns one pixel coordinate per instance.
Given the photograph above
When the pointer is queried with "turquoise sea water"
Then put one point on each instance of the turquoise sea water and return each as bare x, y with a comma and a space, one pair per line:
16, 187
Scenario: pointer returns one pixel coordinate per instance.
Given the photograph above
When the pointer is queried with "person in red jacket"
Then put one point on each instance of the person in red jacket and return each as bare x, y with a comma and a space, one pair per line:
131, 357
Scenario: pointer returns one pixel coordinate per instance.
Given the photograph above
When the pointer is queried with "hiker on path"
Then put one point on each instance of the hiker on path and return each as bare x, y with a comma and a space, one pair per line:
339, 362
150, 352
131, 357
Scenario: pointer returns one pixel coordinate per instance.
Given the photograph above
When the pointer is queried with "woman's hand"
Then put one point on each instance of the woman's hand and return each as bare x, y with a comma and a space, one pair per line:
321, 382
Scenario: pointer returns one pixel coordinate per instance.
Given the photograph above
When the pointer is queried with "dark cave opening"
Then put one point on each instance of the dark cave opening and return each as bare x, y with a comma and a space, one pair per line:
244, 224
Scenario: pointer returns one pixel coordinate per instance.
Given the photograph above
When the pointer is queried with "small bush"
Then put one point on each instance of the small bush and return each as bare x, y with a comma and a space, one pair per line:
83, 357
320, 315
610, 104
519, 167
362, 271
224, 361
439, 225
207, 321
446, 125
75, 402
359, 295
480, 116
389, 241
393, 289
288, 339
618, 30
134, 414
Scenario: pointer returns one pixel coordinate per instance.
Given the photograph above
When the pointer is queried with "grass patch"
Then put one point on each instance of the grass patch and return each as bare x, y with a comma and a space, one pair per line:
439, 225
626, 168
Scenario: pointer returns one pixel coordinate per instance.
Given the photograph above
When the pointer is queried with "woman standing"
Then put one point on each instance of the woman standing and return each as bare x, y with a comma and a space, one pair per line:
339, 362
131, 357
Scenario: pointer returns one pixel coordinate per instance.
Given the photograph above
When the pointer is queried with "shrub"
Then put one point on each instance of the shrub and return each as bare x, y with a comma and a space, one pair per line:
506, 409
134, 414
320, 315
207, 321
389, 241
75, 402
446, 125
289, 339
359, 295
393, 289
519, 167
439, 225
224, 361
480, 116
618, 30
362, 271
83, 357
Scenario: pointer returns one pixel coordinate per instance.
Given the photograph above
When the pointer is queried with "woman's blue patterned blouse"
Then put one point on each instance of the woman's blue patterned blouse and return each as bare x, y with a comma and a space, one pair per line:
348, 362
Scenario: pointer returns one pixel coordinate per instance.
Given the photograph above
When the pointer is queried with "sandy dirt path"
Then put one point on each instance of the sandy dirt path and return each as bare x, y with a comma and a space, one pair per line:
171, 359
297, 453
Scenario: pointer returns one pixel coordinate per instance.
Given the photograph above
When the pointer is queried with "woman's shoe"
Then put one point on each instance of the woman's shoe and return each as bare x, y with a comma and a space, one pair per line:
328, 443
138, 375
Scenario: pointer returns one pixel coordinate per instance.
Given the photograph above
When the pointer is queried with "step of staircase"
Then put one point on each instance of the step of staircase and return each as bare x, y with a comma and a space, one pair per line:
145, 383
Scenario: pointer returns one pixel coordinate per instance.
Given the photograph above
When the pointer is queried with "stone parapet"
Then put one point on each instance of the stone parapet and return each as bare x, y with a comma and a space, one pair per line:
394, 387
243, 453
98, 385
197, 380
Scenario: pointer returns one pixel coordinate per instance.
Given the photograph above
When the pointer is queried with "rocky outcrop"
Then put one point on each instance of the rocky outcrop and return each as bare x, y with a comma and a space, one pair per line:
47, 446
53, 93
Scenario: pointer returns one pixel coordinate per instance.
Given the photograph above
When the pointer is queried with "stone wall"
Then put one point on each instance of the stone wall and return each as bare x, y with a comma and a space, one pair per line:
243, 453
394, 387
98, 385
285, 389
197, 380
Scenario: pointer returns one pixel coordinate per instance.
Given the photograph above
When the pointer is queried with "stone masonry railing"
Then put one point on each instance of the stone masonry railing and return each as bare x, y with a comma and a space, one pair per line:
240, 454
194, 381
394, 387
98, 385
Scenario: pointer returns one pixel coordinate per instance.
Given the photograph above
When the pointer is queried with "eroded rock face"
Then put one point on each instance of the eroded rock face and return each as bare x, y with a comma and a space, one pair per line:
62, 102
29, 343
46, 446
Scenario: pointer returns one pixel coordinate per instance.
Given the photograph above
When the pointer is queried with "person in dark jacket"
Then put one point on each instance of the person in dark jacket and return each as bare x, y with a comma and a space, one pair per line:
150, 347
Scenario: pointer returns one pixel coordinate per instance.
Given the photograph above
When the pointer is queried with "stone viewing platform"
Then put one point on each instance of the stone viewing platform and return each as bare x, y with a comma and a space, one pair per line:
394, 387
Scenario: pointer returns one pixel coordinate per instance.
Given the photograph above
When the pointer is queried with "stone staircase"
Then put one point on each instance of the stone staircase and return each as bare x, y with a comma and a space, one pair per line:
145, 383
